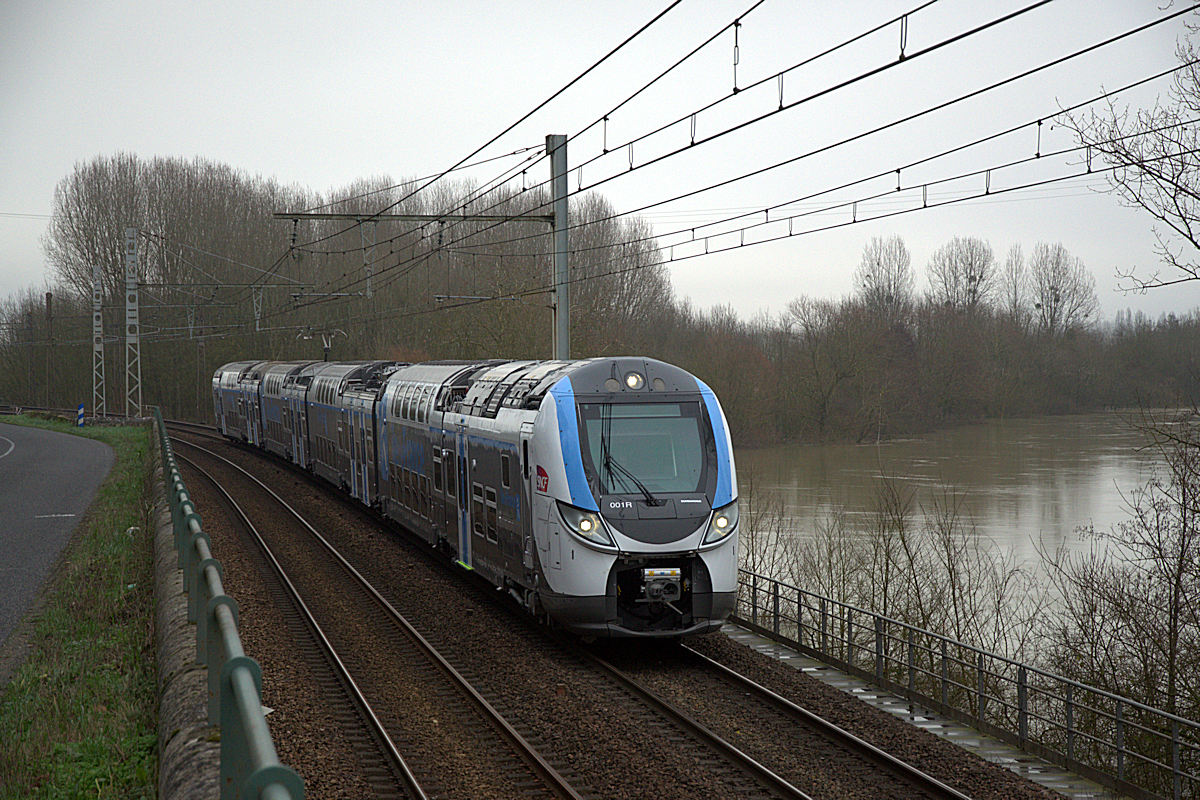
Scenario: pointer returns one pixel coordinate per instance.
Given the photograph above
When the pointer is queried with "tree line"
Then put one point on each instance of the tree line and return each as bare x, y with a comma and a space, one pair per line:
223, 280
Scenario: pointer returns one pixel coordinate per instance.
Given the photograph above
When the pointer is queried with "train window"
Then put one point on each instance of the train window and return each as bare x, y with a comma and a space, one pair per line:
437, 470
425, 505
505, 466
491, 515
525, 459
451, 471
477, 508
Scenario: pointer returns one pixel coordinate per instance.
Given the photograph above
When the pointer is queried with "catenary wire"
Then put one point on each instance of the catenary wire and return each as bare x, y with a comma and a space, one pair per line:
826, 148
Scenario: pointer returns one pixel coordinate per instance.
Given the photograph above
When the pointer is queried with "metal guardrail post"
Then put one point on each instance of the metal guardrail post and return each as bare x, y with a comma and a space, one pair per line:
912, 661
1069, 701
879, 649
824, 628
1120, 739
754, 599
1176, 782
799, 615
1022, 705
945, 676
775, 604
849, 636
980, 688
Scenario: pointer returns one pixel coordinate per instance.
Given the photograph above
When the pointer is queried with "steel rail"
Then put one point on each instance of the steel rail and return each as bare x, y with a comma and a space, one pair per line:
410, 781
196, 426
529, 754
748, 764
835, 733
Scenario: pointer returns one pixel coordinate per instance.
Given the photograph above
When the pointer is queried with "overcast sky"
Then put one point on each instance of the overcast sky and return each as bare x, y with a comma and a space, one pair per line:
322, 94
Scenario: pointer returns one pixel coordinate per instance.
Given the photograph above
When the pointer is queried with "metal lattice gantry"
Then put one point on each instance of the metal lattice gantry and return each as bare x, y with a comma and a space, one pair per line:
98, 389
133, 347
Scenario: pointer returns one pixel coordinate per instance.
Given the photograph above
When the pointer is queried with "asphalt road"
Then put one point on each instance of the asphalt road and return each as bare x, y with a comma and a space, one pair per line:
47, 481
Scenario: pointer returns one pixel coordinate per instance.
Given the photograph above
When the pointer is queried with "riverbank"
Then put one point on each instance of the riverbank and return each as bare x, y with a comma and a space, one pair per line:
77, 714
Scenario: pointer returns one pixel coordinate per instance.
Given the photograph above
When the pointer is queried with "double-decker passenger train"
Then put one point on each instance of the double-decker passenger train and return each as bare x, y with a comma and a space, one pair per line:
600, 493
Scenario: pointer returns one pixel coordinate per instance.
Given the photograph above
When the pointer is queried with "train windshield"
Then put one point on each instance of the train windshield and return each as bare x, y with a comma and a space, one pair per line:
640, 448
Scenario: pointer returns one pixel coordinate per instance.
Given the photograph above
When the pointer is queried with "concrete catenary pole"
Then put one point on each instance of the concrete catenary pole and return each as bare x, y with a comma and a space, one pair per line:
49, 343
556, 146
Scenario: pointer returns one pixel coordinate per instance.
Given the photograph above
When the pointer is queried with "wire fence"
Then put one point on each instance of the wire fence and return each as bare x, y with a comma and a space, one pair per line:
1121, 743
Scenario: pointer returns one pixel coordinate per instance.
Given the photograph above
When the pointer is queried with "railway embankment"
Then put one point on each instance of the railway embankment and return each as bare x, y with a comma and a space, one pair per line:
77, 674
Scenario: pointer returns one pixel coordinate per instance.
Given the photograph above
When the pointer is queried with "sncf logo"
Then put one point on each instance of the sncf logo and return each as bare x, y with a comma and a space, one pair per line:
543, 480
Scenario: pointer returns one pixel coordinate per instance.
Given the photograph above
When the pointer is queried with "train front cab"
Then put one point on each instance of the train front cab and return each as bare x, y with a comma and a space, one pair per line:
634, 494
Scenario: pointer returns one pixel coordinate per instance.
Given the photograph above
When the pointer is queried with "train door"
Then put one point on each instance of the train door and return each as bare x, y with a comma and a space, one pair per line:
526, 499
368, 460
464, 495
342, 451
354, 454
255, 418
295, 421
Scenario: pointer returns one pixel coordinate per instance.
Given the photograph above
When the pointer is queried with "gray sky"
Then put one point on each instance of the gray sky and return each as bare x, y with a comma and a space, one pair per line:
321, 94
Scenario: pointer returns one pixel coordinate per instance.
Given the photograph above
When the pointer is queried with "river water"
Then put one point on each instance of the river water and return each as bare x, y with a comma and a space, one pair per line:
1021, 480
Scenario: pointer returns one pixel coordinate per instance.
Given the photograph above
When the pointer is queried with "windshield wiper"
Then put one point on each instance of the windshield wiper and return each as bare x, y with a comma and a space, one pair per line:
614, 467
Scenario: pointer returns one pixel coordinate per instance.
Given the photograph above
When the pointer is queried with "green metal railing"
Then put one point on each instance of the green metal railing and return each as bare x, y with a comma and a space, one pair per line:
1129, 746
250, 768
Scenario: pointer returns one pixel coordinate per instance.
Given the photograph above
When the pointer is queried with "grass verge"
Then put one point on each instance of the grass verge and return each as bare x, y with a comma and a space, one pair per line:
78, 719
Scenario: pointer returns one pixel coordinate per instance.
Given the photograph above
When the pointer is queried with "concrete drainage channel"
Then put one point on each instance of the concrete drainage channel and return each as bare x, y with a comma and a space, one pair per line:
213, 736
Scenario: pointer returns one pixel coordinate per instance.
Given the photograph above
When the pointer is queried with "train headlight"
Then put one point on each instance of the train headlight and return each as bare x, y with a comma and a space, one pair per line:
585, 524
723, 522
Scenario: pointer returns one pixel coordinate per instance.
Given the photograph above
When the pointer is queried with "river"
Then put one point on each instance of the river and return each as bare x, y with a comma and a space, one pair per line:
1022, 480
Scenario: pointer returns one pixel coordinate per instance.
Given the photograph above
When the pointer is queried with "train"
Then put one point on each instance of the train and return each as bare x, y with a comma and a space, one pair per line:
601, 493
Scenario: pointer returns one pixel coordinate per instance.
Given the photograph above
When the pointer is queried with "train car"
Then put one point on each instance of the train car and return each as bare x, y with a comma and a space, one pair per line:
329, 419
361, 392
277, 427
601, 494
236, 410
294, 396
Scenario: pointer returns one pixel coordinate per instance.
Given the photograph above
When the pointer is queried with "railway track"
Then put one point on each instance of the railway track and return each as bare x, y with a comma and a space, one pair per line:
722, 702
722, 757
417, 670
721, 765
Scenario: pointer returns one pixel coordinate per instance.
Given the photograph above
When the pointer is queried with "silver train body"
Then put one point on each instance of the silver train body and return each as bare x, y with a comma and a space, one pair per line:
600, 493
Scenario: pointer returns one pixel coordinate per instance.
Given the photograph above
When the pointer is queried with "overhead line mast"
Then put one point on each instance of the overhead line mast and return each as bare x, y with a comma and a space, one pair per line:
556, 145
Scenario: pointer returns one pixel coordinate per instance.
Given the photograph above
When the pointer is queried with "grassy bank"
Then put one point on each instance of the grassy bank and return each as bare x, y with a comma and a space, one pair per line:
78, 718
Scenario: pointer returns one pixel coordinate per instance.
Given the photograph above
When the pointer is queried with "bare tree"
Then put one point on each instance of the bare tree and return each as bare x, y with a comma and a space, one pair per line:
1155, 155
827, 356
962, 274
1130, 617
1012, 283
1064, 292
884, 278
